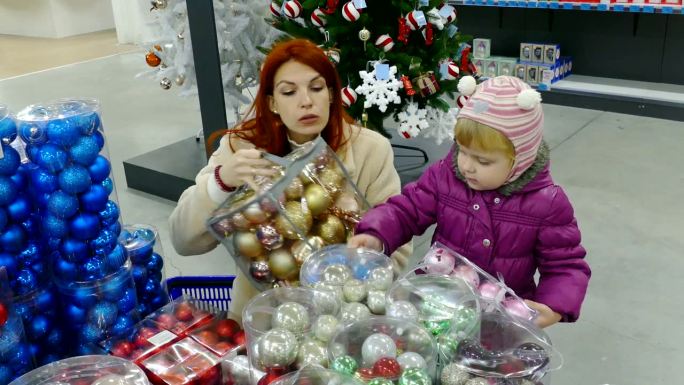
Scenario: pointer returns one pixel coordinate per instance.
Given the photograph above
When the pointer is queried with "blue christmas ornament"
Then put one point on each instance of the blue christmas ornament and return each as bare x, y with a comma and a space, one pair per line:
41, 200
13, 240
20, 360
33, 132
51, 157
55, 338
10, 263
75, 314
114, 290
159, 300
94, 268
97, 135
122, 324
104, 243
26, 282
139, 275
115, 228
91, 333
39, 270
45, 300
8, 191
8, 132
108, 184
116, 258
103, 314
3, 219
40, 326
6, 374
128, 301
63, 131
65, 270
84, 151
74, 179
110, 214
94, 199
99, 170
74, 250
151, 287
23, 309
154, 275
156, 263
31, 226
20, 209
143, 309
55, 226
62, 205
20, 178
89, 123
10, 161
43, 181
84, 297
84, 226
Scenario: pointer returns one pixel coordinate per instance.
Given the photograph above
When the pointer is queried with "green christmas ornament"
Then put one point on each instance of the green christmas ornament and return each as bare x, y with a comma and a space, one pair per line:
380, 381
464, 320
415, 376
344, 365
437, 328
447, 344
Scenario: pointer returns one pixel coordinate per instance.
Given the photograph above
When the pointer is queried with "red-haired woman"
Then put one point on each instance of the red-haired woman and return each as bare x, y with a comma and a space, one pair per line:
298, 100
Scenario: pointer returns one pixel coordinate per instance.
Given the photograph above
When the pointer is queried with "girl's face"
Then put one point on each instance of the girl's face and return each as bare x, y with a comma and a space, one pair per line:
302, 99
483, 170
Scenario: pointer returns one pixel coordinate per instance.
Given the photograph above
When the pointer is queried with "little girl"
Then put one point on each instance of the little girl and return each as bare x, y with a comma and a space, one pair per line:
494, 202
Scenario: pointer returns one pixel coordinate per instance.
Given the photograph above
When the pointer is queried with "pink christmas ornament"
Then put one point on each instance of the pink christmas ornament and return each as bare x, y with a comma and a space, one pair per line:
349, 12
489, 290
292, 9
517, 308
318, 18
467, 274
348, 96
439, 263
385, 42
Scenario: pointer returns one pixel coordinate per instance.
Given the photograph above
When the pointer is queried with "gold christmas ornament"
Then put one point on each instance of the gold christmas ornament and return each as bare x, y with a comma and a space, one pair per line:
240, 222
331, 229
247, 244
331, 178
255, 214
317, 199
302, 249
347, 202
295, 189
298, 215
308, 175
283, 265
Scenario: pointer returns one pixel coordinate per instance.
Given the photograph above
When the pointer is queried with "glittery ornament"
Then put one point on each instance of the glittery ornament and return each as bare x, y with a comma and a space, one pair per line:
415, 376
344, 364
477, 381
51, 157
10, 161
90, 333
355, 290
331, 229
85, 151
54, 226
63, 132
331, 179
277, 348
380, 278
377, 346
247, 244
74, 180
325, 327
8, 190
295, 218
295, 189
376, 302
260, 271
312, 352
336, 274
269, 237
452, 374
254, 214
317, 199
302, 249
353, 312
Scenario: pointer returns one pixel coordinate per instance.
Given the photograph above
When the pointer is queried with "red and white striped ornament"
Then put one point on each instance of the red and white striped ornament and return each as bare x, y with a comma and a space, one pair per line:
452, 15
348, 96
349, 12
385, 42
292, 9
461, 101
411, 21
452, 70
275, 9
318, 18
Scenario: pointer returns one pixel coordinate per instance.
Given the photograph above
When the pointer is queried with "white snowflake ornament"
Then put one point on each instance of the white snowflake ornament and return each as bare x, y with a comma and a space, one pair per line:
380, 92
412, 121
441, 124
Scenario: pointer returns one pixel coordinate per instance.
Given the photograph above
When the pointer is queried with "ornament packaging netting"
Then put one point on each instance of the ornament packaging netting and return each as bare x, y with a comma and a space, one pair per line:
85, 370
144, 249
382, 349
288, 327
358, 277
506, 350
445, 306
310, 204
316, 375
16, 357
493, 293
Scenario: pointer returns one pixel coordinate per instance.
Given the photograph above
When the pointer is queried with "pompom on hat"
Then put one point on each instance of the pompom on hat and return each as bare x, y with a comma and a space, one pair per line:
510, 106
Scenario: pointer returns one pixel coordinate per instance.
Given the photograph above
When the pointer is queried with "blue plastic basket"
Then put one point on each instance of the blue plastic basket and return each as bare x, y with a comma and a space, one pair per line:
212, 291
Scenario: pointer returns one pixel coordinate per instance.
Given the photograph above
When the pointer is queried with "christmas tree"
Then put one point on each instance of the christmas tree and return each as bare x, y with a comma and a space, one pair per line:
240, 29
398, 58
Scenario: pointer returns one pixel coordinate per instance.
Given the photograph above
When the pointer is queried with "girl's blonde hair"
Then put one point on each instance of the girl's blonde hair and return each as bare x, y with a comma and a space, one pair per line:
481, 137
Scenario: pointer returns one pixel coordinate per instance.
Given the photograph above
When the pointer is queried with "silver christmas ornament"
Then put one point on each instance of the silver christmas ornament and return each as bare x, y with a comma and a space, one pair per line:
291, 316
377, 346
277, 348
402, 309
165, 83
337, 274
325, 327
452, 374
376, 302
111, 379
180, 79
312, 352
158, 4
238, 367
380, 278
354, 290
411, 360
327, 299
353, 312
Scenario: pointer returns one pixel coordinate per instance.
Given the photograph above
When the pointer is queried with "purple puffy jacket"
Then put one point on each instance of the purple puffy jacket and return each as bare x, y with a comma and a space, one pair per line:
522, 227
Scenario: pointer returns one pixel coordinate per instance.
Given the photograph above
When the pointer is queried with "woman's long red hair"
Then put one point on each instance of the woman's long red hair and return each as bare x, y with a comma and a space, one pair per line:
266, 131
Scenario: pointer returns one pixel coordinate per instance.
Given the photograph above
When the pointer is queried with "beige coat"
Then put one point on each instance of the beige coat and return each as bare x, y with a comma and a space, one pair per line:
367, 156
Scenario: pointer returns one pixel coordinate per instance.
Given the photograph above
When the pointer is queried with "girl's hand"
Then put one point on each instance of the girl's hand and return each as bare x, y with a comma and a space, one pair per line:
247, 163
546, 316
365, 240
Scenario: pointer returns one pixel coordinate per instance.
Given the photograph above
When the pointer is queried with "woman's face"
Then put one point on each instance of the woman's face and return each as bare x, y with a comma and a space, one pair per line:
302, 99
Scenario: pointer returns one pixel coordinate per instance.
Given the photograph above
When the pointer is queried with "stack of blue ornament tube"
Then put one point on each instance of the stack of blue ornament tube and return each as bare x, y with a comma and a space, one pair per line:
79, 219
144, 250
15, 353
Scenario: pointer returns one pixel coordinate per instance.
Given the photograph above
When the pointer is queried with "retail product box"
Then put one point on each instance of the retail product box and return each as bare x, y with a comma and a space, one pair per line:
538, 53
526, 51
184, 362
567, 64
546, 79
532, 71
552, 53
491, 68
506, 66
482, 48
521, 72
479, 65
548, 67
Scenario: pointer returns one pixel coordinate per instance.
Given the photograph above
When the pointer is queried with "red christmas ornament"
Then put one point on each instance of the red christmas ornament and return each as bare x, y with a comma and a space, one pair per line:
404, 31
223, 347
270, 376
387, 367
166, 321
211, 375
81, 382
408, 86
330, 6
4, 314
465, 59
239, 338
208, 337
152, 59
184, 312
123, 349
366, 373
226, 328
428, 34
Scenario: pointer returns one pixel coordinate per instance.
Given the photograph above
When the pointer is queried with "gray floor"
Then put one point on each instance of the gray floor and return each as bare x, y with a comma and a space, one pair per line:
623, 174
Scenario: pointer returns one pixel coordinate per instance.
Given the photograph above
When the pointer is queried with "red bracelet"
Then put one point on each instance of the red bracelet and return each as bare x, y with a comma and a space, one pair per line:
217, 176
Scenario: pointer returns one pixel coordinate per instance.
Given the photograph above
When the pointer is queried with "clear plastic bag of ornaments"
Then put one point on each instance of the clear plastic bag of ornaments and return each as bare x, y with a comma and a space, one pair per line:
359, 277
445, 306
16, 356
311, 203
383, 350
505, 350
183, 362
72, 186
288, 327
316, 375
237, 370
92, 311
492, 292
86, 370
144, 249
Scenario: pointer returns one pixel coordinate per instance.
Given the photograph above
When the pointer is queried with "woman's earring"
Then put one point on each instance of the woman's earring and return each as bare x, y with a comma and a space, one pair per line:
274, 111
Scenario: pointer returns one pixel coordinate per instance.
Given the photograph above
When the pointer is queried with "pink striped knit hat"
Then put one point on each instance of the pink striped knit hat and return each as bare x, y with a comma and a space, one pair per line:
511, 107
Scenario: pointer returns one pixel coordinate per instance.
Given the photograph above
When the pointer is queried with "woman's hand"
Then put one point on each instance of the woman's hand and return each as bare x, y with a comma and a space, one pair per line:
365, 240
546, 317
247, 163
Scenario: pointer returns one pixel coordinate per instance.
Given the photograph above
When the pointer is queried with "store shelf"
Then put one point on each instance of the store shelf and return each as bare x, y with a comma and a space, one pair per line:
581, 6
